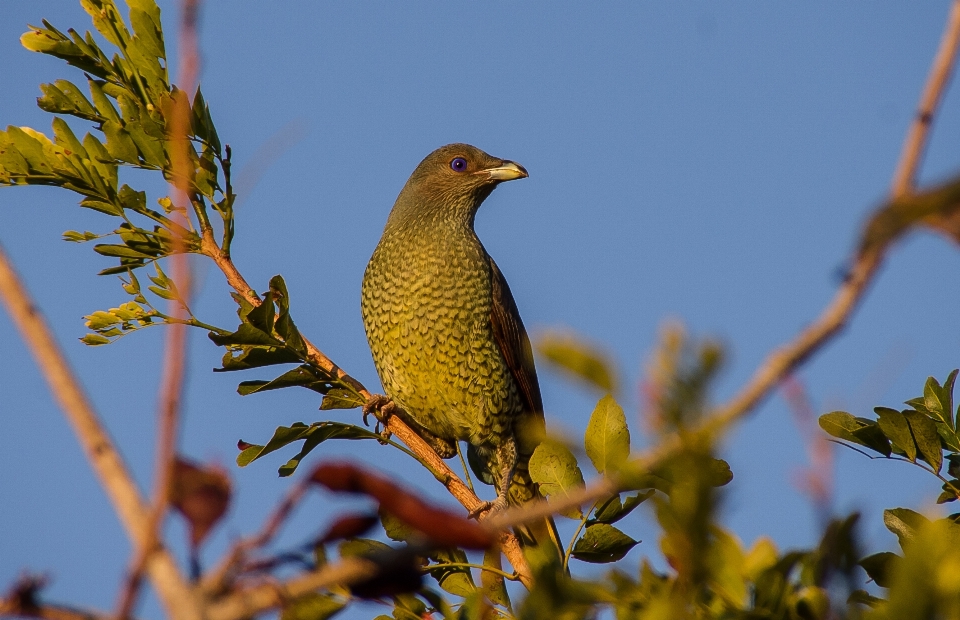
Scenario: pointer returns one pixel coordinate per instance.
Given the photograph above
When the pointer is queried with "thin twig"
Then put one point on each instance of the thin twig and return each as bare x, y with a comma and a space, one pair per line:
248, 602
913, 147
786, 359
175, 349
102, 454
218, 579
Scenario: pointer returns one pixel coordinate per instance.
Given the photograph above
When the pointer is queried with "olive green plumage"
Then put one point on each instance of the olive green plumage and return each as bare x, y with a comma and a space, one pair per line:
446, 337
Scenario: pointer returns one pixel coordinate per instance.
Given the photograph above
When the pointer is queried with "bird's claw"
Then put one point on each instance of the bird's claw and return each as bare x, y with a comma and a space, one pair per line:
493, 507
380, 406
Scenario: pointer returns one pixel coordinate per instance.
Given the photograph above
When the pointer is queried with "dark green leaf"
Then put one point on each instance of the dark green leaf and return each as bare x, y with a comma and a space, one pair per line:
339, 398
283, 436
934, 403
949, 493
322, 432
602, 543
880, 567
255, 357
607, 440
842, 425
247, 334
302, 376
894, 426
928, 440
395, 528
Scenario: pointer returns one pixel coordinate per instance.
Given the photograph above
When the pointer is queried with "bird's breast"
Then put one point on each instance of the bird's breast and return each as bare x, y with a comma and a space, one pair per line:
426, 309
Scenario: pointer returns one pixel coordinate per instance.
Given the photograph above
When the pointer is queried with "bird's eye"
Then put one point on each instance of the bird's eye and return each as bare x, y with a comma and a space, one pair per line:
458, 164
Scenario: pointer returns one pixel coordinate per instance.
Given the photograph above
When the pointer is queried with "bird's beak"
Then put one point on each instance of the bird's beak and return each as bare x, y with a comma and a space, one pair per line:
507, 171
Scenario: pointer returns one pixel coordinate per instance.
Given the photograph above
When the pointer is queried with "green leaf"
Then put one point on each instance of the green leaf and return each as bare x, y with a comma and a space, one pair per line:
928, 440
247, 335
302, 376
312, 606
842, 425
122, 251
602, 543
79, 237
339, 398
94, 340
284, 323
322, 432
361, 547
607, 440
880, 567
283, 436
456, 580
395, 528
255, 357
894, 426
582, 360
554, 468
613, 510
905, 523
949, 493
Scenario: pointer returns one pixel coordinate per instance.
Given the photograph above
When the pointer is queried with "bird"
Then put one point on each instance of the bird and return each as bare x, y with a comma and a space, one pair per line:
446, 336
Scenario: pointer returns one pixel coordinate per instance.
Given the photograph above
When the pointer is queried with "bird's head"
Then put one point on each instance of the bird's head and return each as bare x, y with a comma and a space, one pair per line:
452, 181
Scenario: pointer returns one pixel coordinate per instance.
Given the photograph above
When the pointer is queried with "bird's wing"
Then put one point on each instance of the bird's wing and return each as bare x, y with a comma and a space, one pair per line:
513, 342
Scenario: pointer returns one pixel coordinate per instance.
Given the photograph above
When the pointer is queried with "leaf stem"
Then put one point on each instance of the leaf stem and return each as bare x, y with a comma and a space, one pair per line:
573, 539
497, 571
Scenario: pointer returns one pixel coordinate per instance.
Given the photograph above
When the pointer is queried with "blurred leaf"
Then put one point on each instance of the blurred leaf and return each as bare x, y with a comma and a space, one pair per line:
905, 523
573, 355
554, 468
312, 606
494, 585
880, 566
456, 580
201, 494
361, 547
613, 510
395, 528
607, 440
602, 543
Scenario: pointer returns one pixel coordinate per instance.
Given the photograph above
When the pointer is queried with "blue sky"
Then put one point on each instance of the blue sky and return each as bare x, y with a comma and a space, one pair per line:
704, 162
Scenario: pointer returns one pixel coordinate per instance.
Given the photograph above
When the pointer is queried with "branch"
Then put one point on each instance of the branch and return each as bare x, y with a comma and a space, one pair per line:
913, 146
251, 601
102, 454
175, 349
870, 255
22, 601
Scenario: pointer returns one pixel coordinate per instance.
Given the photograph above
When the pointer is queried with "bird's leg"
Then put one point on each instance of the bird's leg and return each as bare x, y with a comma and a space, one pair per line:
503, 476
382, 407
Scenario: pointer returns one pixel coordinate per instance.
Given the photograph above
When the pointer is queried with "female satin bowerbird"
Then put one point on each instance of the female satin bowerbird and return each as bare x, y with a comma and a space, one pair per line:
445, 332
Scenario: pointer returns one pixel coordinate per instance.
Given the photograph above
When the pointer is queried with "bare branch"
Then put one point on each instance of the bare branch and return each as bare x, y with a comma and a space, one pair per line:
870, 255
905, 177
102, 454
175, 349
251, 601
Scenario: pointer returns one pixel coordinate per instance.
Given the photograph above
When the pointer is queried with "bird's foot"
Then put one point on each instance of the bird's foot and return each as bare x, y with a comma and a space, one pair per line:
382, 407
491, 508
